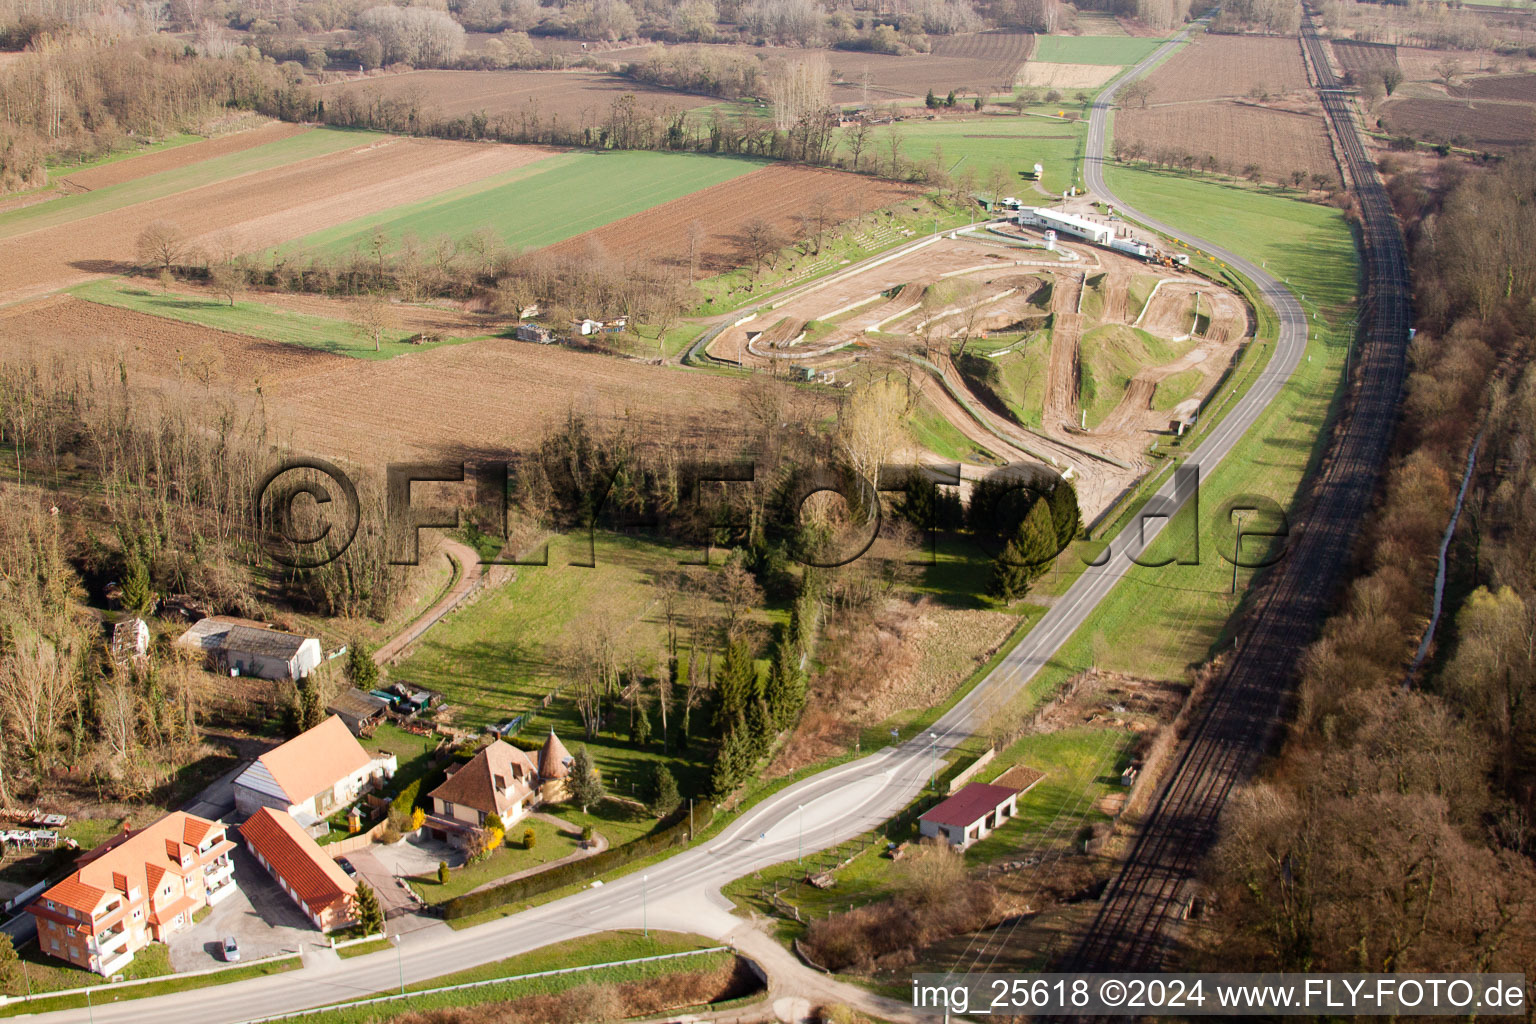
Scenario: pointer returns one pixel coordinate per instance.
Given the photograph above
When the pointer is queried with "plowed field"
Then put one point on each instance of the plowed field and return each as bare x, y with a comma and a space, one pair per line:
257, 210
482, 396
1217, 67
1499, 87
1236, 134
1482, 124
777, 193
572, 96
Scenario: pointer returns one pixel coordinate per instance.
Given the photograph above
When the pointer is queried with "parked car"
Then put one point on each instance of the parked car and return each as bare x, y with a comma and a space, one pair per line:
346, 866
231, 949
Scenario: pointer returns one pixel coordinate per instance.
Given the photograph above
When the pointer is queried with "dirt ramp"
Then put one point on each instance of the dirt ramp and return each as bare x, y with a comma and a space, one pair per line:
1117, 292
1063, 378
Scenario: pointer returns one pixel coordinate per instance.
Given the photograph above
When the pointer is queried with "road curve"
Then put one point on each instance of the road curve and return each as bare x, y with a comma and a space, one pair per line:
682, 892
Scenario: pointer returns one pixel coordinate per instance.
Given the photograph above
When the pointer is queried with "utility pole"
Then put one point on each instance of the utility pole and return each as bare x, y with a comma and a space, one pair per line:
645, 928
1237, 545
399, 960
933, 773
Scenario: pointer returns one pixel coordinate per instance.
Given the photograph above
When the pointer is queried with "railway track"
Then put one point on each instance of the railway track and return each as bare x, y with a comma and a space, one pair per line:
1143, 904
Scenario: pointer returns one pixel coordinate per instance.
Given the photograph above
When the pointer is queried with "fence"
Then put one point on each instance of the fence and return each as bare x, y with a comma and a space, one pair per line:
376, 1000
351, 844
970, 773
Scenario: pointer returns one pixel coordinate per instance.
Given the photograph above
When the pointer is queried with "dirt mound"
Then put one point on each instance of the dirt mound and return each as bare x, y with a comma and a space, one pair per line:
1064, 376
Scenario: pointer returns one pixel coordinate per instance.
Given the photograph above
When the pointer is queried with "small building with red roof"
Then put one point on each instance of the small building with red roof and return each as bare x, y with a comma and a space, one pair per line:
971, 814
301, 868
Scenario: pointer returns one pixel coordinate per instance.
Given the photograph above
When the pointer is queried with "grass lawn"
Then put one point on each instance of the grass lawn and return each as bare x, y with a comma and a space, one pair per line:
1023, 374
252, 318
23, 867
152, 961
1174, 389
545, 202
503, 654
603, 948
550, 843
1093, 49
1014, 144
1081, 766
313, 143
1304, 243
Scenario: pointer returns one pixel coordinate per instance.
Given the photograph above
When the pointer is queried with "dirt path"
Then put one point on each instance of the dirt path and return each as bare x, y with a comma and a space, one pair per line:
470, 576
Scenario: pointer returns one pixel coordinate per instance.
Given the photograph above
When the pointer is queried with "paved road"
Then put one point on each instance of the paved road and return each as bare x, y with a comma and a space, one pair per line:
683, 893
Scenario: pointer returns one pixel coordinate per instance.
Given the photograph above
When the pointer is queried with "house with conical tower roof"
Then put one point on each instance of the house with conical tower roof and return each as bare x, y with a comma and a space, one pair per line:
554, 769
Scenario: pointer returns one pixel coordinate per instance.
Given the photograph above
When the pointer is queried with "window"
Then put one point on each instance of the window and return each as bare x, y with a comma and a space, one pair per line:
53, 944
51, 906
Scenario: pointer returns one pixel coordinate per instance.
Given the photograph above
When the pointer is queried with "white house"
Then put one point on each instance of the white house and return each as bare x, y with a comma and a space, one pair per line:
1066, 224
971, 814
312, 775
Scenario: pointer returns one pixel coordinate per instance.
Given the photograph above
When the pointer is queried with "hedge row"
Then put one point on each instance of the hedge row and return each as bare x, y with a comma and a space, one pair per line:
669, 832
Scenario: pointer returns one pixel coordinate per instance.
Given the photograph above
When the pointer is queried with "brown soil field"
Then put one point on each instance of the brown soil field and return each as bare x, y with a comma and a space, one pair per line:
502, 394
259, 209
981, 61
133, 167
1237, 134
1499, 87
156, 351
569, 95
1486, 124
1216, 67
1097, 23
1067, 76
1352, 55
776, 193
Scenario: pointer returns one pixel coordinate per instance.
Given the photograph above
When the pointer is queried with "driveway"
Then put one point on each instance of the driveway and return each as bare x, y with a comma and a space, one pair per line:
393, 896
260, 916
415, 855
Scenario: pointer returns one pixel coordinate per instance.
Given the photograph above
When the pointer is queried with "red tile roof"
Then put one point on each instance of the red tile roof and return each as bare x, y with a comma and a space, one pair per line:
297, 859
129, 860
970, 805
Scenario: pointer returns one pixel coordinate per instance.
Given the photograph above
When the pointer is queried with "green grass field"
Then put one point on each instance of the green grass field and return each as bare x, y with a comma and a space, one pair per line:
1299, 242
981, 143
499, 657
545, 202
1093, 49
1174, 389
63, 210
938, 435
252, 318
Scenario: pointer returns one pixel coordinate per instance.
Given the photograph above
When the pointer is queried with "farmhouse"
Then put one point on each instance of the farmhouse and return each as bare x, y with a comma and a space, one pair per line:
970, 814
312, 775
1065, 224
239, 648
311, 879
136, 888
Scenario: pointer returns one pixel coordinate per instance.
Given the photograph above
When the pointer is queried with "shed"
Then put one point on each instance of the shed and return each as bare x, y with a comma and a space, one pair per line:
361, 711
269, 653
971, 814
535, 332
130, 641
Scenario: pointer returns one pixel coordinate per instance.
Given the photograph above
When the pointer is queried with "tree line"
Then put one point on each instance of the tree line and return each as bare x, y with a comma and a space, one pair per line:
1393, 833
